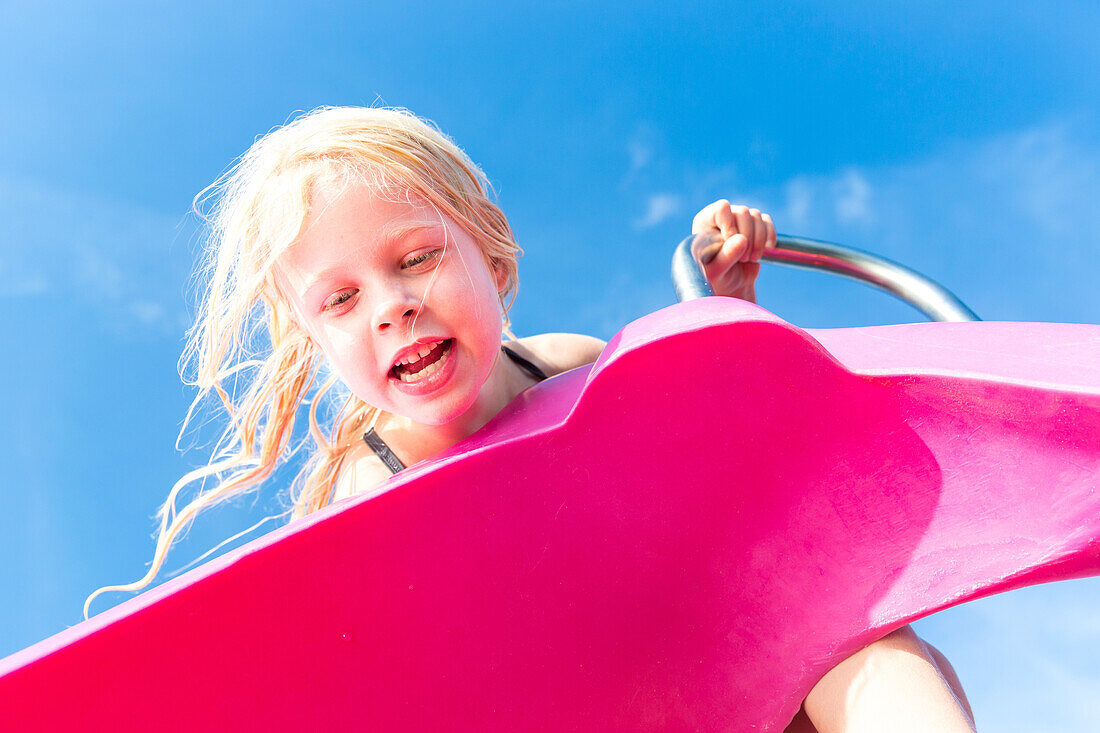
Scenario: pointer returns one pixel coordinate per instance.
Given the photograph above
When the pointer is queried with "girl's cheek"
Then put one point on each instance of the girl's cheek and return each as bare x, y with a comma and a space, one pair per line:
351, 364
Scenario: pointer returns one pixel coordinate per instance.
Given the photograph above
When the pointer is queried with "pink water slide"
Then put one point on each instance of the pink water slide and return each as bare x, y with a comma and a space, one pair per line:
684, 536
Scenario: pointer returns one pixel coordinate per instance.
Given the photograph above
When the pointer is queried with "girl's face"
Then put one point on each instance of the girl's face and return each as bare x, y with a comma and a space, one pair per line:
399, 298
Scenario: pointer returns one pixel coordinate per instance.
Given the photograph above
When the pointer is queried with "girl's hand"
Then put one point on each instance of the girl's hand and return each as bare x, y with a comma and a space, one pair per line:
731, 259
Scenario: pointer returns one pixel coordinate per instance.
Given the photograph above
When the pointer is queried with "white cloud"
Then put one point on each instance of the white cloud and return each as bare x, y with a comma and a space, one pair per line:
17, 281
659, 208
641, 150
99, 272
147, 312
852, 197
116, 258
665, 188
640, 155
1009, 222
799, 193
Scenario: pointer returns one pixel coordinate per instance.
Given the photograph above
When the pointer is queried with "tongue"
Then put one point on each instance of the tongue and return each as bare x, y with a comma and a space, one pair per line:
432, 357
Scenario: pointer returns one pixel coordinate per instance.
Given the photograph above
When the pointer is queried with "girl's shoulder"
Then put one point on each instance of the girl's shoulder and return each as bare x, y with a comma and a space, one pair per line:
559, 352
361, 471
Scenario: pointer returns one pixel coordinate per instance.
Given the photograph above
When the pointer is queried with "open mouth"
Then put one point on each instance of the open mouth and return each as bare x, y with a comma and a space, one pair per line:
418, 366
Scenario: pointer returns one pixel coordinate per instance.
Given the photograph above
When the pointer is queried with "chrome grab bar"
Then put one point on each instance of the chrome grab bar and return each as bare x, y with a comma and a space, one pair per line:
929, 297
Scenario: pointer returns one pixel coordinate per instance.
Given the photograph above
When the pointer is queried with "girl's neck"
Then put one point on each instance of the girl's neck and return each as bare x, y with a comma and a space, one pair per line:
414, 442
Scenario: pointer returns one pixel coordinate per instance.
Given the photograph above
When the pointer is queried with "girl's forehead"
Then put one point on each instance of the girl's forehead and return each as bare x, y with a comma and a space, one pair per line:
355, 222
365, 215
363, 198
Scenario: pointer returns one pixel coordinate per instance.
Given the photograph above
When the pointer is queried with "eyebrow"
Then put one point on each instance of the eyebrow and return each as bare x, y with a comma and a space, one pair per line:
390, 234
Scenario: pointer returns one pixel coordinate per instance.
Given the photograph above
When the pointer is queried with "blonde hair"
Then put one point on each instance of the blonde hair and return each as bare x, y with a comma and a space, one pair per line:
257, 210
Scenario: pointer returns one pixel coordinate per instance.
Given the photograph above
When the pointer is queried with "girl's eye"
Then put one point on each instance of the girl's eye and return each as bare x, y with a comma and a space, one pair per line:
338, 300
423, 257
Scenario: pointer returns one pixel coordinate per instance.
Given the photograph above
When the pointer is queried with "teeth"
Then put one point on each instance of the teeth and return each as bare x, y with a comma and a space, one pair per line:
417, 356
426, 371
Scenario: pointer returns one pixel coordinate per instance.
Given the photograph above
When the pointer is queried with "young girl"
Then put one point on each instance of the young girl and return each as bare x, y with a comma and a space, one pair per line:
365, 241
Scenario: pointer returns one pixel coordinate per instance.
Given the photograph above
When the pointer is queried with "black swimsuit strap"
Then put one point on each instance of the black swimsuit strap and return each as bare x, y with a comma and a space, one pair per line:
390, 459
383, 451
527, 366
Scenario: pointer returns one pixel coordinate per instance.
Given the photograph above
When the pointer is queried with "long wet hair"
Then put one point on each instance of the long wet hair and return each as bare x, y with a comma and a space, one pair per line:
261, 376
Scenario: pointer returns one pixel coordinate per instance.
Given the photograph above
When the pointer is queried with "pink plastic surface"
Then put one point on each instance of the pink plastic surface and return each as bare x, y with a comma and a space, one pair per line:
684, 537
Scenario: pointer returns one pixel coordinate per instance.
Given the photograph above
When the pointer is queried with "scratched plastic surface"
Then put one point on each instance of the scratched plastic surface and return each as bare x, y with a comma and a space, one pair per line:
685, 536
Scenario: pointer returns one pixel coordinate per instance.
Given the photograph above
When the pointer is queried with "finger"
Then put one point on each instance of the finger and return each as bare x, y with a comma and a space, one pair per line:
722, 267
706, 244
771, 244
708, 251
705, 219
744, 226
734, 250
725, 221
739, 281
698, 224
759, 235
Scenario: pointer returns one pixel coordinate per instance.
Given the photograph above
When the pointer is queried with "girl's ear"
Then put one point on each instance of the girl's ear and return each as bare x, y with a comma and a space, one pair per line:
500, 277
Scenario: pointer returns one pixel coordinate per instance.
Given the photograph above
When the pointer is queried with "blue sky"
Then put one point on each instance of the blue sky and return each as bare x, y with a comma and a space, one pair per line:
960, 140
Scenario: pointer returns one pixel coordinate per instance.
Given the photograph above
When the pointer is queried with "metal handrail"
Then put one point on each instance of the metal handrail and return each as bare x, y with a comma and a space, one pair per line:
929, 297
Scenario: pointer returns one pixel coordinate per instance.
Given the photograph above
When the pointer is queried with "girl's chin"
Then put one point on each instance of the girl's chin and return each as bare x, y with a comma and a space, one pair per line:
442, 410
431, 419
438, 412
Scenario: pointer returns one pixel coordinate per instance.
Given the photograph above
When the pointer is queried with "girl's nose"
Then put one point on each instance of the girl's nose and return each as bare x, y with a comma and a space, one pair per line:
397, 310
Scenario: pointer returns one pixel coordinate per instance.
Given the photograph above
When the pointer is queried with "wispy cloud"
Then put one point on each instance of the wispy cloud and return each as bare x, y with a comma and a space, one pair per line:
852, 197
18, 279
799, 195
119, 259
662, 188
642, 151
1041, 179
1009, 221
659, 208
147, 312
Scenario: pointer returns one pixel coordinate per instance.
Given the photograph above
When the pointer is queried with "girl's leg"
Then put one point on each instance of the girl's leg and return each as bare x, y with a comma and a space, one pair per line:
899, 681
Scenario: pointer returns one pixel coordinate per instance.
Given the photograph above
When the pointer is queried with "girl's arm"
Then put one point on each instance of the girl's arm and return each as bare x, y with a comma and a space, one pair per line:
898, 683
